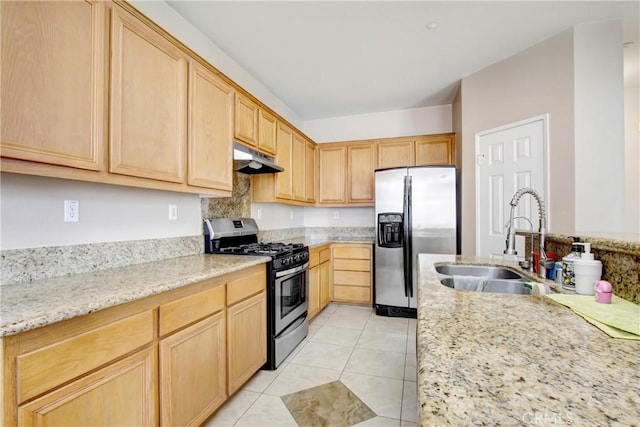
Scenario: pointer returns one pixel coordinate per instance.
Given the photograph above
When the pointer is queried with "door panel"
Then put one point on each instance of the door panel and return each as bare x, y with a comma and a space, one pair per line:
507, 160
389, 277
433, 195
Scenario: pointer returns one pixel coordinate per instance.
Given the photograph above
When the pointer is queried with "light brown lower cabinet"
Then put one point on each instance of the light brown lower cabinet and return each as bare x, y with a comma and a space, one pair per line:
247, 332
193, 380
170, 359
352, 272
121, 394
319, 279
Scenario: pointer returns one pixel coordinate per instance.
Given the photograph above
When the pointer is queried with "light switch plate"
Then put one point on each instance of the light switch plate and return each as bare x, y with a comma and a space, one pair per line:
173, 212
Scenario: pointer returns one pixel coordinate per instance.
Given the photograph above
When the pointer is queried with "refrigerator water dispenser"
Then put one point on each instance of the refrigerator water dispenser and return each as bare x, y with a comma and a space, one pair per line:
390, 230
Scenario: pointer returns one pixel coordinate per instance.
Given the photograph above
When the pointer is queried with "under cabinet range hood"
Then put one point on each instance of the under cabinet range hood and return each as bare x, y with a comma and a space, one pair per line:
250, 161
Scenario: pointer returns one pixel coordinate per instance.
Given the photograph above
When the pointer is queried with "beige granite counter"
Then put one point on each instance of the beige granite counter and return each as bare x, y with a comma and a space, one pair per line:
498, 359
26, 306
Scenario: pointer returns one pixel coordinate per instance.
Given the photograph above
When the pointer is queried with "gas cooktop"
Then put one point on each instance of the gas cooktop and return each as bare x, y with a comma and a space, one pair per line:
262, 248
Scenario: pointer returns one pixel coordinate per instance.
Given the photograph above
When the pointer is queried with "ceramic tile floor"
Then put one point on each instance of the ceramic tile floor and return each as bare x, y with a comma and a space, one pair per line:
375, 357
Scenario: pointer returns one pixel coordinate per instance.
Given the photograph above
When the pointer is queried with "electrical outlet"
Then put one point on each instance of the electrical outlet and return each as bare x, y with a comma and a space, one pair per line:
259, 213
71, 211
290, 214
173, 212
336, 214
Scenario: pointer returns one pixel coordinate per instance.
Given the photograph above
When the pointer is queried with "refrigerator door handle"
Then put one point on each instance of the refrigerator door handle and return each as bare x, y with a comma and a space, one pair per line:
409, 260
406, 248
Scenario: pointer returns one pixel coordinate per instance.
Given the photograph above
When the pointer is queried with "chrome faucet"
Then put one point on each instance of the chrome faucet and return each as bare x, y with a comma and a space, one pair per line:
542, 229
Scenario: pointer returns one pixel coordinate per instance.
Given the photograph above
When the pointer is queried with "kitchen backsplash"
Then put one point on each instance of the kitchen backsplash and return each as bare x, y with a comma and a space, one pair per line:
620, 261
333, 233
27, 265
238, 205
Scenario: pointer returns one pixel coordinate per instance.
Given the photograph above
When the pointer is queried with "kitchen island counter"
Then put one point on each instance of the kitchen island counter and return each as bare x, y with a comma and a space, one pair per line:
27, 306
499, 359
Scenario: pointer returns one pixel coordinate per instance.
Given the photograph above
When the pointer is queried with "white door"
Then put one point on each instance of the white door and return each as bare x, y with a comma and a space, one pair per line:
507, 159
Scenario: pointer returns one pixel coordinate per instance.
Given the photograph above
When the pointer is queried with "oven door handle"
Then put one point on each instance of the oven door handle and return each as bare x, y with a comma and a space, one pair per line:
293, 270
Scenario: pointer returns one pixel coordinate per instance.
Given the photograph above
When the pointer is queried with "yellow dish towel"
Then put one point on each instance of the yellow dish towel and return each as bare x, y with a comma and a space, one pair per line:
620, 319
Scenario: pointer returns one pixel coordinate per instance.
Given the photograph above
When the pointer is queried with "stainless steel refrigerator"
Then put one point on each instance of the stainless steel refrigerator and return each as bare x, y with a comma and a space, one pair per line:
416, 212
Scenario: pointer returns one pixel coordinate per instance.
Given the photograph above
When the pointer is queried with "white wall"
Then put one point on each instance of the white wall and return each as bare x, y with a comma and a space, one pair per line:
632, 158
275, 216
339, 217
33, 211
416, 121
599, 128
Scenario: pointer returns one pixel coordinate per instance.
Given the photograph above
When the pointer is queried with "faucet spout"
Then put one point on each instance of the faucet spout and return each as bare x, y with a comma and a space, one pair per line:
542, 223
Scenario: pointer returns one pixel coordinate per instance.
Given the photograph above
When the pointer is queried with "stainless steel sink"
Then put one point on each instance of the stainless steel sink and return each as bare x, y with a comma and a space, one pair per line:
500, 286
477, 271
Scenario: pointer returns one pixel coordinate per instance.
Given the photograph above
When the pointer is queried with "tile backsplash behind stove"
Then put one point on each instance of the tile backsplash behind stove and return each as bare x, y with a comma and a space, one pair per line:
238, 205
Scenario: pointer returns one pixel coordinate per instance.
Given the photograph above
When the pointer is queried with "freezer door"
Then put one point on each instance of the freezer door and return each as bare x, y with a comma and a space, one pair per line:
389, 273
434, 215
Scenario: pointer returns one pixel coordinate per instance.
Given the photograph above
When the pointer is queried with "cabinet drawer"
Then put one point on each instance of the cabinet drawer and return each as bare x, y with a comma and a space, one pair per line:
354, 252
352, 264
352, 278
245, 286
45, 368
314, 258
179, 313
325, 254
352, 293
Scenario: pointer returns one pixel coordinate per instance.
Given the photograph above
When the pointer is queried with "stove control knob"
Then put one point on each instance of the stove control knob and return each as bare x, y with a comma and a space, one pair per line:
285, 261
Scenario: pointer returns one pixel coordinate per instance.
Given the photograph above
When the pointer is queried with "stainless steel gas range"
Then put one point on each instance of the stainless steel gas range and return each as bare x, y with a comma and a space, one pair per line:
287, 280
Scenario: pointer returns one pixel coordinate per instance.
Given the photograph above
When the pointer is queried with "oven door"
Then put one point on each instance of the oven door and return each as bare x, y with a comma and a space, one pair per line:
290, 296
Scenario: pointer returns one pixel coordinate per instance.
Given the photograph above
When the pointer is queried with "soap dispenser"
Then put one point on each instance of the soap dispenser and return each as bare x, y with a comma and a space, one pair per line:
568, 279
586, 271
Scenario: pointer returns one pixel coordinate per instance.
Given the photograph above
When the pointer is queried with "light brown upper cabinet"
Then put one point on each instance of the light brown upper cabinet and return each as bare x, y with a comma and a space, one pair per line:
345, 173
421, 150
296, 184
148, 135
210, 129
395, 154
310, 172
436, 150
299, 163
53, 82
361, 162
332, 176
267, 131
284, 158
246, 124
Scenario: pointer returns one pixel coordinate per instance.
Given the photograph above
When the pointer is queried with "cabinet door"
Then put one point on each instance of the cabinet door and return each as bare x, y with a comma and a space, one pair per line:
314, 291
325, 284
52, 100
193, 372
362, 162
246, 128
310, 172
210, 134
298, 165
395, 154
284, 158
148, 102
121, 394
247, 339
332, 174
435, 150
266, 132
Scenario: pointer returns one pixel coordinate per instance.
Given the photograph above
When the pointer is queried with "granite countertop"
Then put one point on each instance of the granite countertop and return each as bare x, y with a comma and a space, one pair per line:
321, 241
498, 359
32, 305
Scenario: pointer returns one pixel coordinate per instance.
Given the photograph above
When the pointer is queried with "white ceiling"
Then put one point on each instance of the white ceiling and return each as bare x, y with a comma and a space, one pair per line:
328, 59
